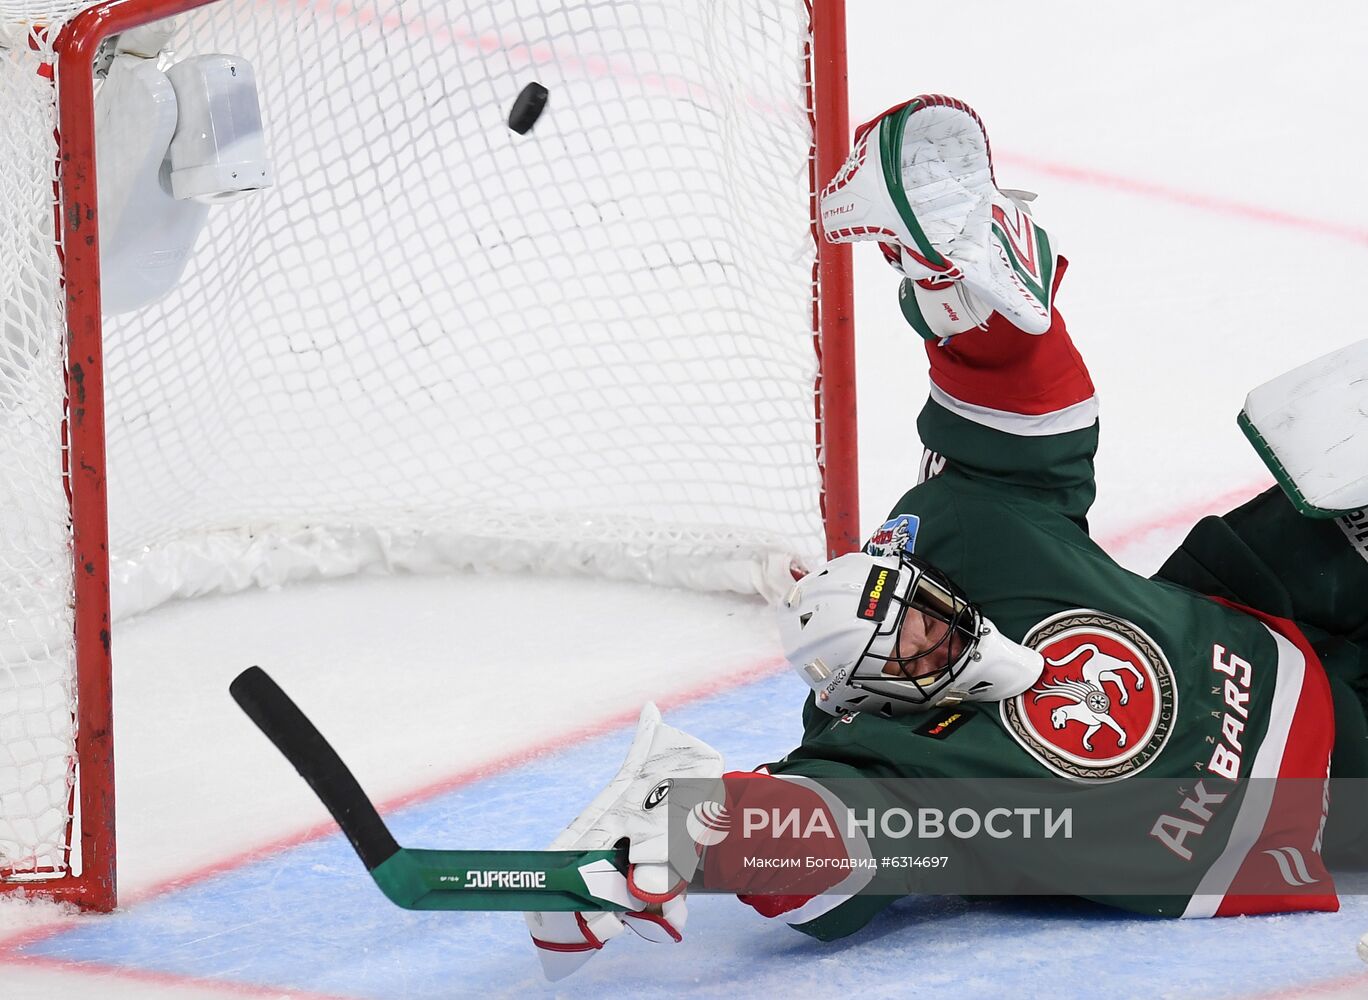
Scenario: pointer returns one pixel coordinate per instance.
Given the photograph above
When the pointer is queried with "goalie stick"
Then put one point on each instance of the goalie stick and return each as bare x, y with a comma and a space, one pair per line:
414, 878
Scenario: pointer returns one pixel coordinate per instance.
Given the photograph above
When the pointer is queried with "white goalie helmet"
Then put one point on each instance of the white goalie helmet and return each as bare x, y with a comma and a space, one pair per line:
841, 627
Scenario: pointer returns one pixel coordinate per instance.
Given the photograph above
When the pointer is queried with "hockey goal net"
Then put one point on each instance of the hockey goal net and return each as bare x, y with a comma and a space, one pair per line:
431, 343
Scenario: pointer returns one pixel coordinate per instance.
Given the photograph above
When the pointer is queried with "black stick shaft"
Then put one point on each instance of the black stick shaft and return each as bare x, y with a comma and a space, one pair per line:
317, 763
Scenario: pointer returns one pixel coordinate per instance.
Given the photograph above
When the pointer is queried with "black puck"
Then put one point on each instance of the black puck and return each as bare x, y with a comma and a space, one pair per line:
527, 108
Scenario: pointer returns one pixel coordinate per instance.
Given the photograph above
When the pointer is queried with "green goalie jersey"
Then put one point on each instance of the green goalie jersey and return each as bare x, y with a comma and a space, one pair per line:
1144, 678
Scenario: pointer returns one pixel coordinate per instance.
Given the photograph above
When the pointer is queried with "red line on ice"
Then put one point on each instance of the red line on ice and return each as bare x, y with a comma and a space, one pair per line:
1182, 516
1192, 199
1350, 987
167, 979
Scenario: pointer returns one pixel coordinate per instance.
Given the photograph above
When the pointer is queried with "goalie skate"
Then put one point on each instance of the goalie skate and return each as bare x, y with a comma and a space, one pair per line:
920, 181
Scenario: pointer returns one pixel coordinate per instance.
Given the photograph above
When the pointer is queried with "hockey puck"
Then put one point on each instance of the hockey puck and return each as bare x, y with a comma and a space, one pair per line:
527, 108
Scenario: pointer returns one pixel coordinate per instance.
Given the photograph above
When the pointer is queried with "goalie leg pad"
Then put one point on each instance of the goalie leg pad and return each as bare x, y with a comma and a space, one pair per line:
1310, 426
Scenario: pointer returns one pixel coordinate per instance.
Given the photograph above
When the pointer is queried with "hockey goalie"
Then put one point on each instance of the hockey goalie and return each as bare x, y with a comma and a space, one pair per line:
982, 633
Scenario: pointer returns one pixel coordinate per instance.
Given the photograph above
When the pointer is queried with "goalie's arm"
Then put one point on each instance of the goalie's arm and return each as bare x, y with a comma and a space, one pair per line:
1011, 410
425, 879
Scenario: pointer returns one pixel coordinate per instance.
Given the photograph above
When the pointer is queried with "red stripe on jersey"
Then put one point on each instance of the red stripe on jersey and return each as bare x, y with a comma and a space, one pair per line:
1005, 369
1294, 815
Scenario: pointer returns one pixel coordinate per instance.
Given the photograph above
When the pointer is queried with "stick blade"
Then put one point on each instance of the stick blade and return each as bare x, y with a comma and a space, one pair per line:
282, 722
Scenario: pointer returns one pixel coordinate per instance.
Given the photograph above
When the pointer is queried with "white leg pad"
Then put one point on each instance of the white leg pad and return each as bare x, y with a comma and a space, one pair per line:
1310, 426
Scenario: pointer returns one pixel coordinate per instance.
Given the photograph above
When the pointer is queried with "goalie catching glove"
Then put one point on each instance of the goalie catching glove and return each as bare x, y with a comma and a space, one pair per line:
920, 181
633, 808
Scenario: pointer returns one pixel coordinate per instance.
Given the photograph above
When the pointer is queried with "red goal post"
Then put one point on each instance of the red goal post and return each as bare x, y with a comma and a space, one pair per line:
90, 823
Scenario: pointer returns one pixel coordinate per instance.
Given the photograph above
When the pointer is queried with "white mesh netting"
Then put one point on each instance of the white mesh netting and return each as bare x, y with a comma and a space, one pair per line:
37, 661
432, 343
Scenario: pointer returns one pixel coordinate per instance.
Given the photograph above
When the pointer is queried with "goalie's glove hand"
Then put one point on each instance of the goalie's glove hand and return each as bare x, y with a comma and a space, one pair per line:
919, 180
632, 808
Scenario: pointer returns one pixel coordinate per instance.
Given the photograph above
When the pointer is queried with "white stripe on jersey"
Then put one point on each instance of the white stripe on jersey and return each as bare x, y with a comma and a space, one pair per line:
1071, 418
1249, 823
